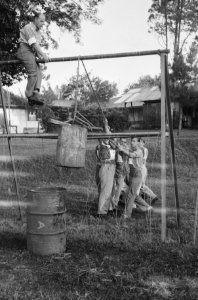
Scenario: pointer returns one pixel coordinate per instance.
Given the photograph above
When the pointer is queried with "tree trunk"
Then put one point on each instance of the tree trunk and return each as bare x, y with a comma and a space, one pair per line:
176, 31
179, 25
180, 119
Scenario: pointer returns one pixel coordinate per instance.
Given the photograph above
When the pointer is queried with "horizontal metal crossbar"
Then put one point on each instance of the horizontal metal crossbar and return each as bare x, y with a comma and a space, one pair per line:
90, 136
96, 56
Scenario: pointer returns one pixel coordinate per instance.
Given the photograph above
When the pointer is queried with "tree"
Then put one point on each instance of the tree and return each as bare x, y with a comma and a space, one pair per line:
178, 18
14, 14
103, 90
12, 99
49, 94
143, 81
181, 22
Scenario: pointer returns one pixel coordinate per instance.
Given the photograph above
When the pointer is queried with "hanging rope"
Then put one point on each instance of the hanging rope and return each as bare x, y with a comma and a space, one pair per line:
78, 117
103, 116
77, 89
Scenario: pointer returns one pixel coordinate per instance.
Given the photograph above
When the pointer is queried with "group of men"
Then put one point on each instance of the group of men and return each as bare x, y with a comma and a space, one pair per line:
121, 174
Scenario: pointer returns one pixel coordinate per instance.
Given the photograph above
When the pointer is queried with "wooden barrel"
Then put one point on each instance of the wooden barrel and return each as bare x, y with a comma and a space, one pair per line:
46, 221
71, 146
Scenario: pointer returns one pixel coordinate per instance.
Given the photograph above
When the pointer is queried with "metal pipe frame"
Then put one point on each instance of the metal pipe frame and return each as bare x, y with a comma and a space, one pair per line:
90, 57
90, 136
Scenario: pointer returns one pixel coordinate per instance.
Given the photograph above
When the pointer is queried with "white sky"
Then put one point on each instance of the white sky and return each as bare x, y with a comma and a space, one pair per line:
124, 28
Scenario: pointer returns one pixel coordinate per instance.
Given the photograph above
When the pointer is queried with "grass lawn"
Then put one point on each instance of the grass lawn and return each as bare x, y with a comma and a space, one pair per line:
105, 259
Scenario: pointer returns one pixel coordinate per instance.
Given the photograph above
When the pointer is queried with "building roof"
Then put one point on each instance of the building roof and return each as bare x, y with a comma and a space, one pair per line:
62, 103
115, 103
139, 96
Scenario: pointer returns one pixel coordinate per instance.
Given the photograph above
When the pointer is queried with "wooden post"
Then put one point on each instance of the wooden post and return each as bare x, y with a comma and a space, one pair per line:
168, 103
163, 147
195, 224
10, 146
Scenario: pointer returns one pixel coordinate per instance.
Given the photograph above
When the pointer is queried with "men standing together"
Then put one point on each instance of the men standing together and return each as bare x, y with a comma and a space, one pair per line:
128, 167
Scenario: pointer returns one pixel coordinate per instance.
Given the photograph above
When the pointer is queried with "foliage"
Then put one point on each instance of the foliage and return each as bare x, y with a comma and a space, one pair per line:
144, 81
48, 94
14, 14
183, 76
45, 114
12, 99
178, 20
178, 17
102, 90
87, 100
117, 117
179, 78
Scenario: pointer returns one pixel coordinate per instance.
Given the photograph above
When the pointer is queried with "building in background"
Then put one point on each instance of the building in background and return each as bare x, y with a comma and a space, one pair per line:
145, 108
20, 119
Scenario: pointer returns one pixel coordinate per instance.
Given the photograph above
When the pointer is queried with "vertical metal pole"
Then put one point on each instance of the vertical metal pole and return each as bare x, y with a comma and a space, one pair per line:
168, 103
195, 224
10, 145
8, 96
163, 147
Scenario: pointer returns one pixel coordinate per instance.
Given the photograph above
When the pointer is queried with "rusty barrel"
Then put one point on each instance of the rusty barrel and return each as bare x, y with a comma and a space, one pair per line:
71, 146
46, 221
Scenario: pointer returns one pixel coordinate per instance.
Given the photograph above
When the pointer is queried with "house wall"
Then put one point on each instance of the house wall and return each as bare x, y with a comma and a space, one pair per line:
135, 117
19, 119
152, 115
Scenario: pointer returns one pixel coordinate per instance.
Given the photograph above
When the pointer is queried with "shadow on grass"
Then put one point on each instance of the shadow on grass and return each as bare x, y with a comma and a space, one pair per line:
14, 241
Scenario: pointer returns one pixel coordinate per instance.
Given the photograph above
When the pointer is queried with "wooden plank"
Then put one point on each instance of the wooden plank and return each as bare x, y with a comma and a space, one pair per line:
163, 147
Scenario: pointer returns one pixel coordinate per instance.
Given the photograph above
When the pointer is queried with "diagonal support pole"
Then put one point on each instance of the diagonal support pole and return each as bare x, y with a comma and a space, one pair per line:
10, 146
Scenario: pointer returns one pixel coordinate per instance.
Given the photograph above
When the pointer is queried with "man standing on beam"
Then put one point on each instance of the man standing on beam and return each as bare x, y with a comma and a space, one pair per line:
29, 50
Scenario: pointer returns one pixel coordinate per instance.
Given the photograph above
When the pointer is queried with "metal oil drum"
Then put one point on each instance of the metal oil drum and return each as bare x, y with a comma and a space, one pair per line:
46, 221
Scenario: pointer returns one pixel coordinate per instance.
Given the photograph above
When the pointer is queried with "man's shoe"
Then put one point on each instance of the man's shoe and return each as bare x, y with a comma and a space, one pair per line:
112, 213
34, 100
154, 200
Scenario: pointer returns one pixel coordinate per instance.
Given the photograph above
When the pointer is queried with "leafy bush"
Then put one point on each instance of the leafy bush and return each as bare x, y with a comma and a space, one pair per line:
117, 117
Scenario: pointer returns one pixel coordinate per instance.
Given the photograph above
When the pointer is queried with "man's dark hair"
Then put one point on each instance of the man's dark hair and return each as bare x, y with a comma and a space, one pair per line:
34, 15
132, 138
141, 139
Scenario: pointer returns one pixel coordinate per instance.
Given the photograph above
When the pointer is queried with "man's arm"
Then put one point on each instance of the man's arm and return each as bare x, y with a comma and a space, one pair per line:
128, 152
39, 52
106, 126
